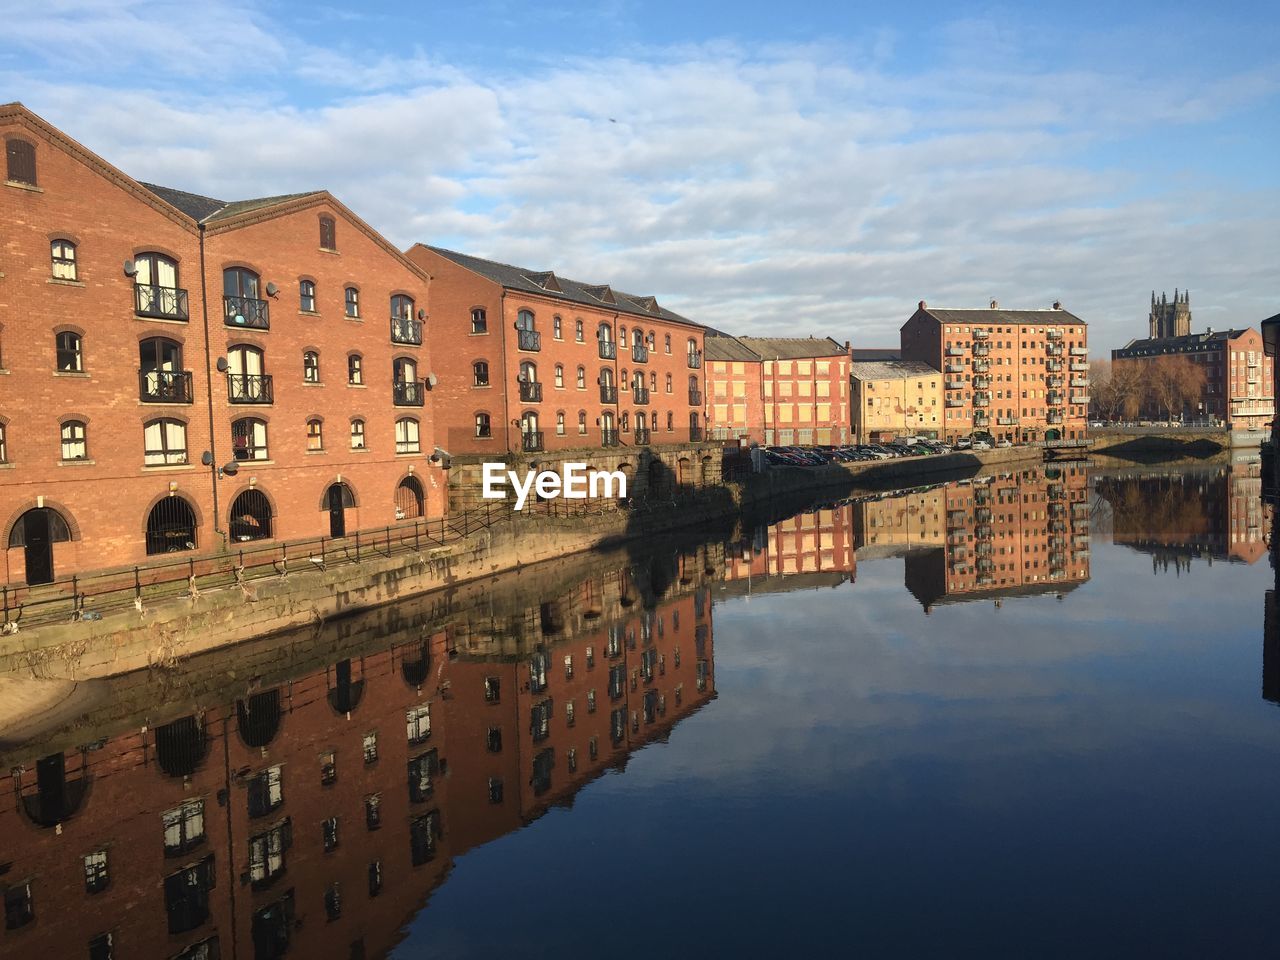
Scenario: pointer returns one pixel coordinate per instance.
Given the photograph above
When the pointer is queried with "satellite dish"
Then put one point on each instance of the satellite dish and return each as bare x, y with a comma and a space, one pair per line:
272, 289
222, 361
130, 268
206, 458
231, 469
422, 314
432, 380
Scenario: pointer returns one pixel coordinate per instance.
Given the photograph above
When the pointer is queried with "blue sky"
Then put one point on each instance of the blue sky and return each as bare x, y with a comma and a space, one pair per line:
769, 168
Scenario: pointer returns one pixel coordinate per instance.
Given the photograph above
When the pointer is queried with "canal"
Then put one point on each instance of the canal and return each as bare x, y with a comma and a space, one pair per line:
1021, 714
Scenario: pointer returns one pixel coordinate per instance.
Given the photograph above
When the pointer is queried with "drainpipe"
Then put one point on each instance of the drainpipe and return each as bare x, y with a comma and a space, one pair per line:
209, 371
506, 396
617, 385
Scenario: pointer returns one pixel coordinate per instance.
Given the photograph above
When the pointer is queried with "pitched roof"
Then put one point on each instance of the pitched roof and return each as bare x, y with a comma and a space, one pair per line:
997, 315
721, 346
1191, 341
793, 348
208, 210
890, 369
551, 284
877, 353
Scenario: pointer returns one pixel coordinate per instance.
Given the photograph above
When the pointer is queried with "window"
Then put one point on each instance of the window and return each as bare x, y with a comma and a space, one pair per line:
370, 746
186, 896
19, 909
479, 322
577, 331
357, 434
328, 768
493, 740
375, 878
423, 832
373, 811
250, 516
483, 427
352, 296
332, 902
559, 376
540, 720
560, 424
668, 383
493, 689
666, 342
671, 420
582, 421
20, 162
249, 439
307, 296
582, 378
4, 447
495, 789
74, 446
315, 435
422, 769
355, 369
401, 307
183, 827
70, 352
329, 833
555, 328
480, 373
62, 253
407, 436
538, 665
418, 723
311, 367
164, 443
95, 872
100, 947
266, 791
266, 854
328, 233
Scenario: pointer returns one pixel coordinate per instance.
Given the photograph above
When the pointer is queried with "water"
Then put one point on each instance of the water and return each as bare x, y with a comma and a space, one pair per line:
1025, 715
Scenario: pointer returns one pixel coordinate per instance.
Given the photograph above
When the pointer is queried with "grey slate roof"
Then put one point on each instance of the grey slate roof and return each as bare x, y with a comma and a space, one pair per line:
722, 346
793, 348
891, 369
1190, 342
208, 210
877, 353
950, 315
561, 288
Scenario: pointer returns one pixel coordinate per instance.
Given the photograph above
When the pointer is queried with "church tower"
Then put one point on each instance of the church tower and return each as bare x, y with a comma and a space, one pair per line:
1170, 319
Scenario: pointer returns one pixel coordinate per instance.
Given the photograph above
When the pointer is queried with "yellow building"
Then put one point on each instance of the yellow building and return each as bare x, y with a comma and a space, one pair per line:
893, 398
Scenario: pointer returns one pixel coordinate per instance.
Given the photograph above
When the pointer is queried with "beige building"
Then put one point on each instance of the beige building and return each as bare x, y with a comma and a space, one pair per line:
893, 398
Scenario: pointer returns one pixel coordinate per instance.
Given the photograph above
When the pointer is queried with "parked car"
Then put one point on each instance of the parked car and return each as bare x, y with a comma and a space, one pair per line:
980, 445
1004, 443
963, 443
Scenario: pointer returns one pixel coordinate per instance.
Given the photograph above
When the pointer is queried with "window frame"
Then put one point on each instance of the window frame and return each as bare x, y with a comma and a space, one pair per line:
69, 442
307, 296
405, 444
357, 429
351, 302
73, 354
169, 456
62, 256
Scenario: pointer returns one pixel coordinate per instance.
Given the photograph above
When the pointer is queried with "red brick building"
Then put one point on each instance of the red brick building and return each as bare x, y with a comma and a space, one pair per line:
295, 354
735, 390
1021, 375
815, 548
530, 361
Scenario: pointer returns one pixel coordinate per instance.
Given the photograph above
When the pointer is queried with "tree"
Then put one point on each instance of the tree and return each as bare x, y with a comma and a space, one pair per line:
1174, 384
1125, 389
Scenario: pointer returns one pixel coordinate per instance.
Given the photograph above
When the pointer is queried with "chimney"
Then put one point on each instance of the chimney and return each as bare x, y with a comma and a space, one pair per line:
995, 304
1057, 304
921, 305
846, 346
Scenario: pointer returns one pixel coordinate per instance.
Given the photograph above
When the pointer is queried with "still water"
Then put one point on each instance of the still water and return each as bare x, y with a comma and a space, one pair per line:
1021, 715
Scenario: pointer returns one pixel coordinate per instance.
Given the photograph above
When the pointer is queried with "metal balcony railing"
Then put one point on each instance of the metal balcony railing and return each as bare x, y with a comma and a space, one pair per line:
407, 393
249, 388
608, 393
1079, 367
528, 340
642, 436
982, 334
608, 437
695, 361
531, 392
981, 366
531, 441
164, 386
1053, 349
608, 349
246, 312
166, 303
1079, 351
1053, 366
406, 330
639, 353
981, 349
954, 368
1053, 334
640, 395
954, 402
695, 434
955, 352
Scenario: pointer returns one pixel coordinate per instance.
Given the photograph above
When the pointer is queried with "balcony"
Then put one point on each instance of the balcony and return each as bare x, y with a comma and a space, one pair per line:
608, 437
531, 441
531, 392
982, 515
642, 436
1054, 418
1053, 349
1054, 399
639, 353
1055, 383
982, 531
164, 303
608, 349
954, 384
246, 312
406, 330
695, 398
982, 383
981, 419
955, 351
249, 388
981, 349
164, 386
640, 395
1079, 367
954, 402
407, 393
981, 366
1081, 398
1053, 334
608, 393
1053, 366
1079, 351
1253, 362
981, 401
982, 334
528, 340
954, 368
695, 361
1007, 421
1079, 381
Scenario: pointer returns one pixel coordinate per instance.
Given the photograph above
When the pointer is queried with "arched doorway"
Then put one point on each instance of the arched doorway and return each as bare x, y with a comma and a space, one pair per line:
706, 471
416, 670
36, 531
258, 718
685, 475
180, 746
337, 498
1053, 434
344, 693
409, 499
171, 526
250, 516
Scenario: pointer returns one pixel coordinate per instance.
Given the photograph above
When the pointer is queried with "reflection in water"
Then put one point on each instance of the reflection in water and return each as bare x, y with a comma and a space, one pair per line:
313, 794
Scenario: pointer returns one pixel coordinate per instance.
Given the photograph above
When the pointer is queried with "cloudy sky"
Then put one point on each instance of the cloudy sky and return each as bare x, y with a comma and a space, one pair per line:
770, 168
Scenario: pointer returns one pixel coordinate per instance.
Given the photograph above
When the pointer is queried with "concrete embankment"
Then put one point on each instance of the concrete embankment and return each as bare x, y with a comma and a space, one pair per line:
173, 629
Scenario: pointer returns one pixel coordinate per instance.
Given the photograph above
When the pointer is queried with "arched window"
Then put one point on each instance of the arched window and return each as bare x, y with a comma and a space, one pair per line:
241, 299
352, 298
637, 337
479, 321
69, 348
401, 307
638, 380
606, 377
250, 516
653, 419
75, 444
406, 389
582, 422
249, 439
328, 233
62, 254
4, 443
171, 526
666, 342
155, 285
560, 423
559, 375
671, 421
668, 380
480, 373
525, 320
307, 296
626, 421
164, 442
528, 372
577, 331
483, 427
582, 378
604, 333
622, 337
357, 434
623, 380
653, 382
20, 162
556, 328
315, 434
311, 367
59, 531
355, 368
407, 436
246, 383
409, 499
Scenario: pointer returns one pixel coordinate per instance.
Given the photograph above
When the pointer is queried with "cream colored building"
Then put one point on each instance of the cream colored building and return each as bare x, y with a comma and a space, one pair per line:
893, 398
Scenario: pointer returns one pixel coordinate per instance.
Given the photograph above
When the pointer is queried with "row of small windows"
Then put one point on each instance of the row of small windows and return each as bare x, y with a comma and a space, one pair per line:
529, 423
529, 374
525, 320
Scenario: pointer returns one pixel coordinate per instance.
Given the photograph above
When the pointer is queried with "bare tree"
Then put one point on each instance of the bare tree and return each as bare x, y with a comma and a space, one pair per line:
1174, 384
1127, 389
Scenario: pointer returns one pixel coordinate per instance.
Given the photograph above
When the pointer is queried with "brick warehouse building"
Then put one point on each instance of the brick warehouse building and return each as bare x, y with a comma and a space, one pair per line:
296, 354
892, 398
1021, 375
531, 362
735, 390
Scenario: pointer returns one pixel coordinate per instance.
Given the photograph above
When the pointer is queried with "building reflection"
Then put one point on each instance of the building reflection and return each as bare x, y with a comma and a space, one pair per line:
1212, 513
814, 548
316, 815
